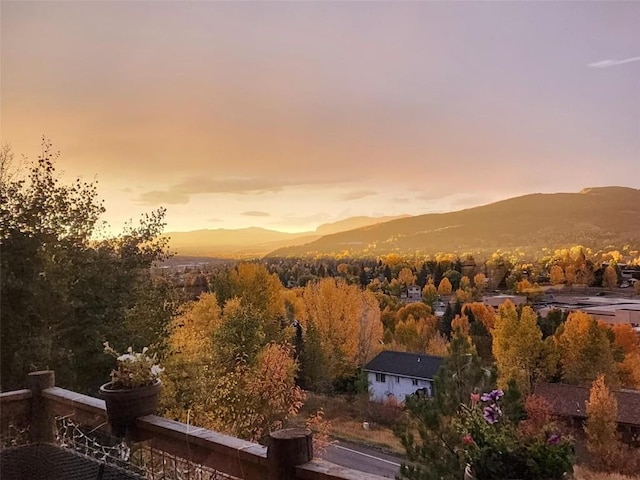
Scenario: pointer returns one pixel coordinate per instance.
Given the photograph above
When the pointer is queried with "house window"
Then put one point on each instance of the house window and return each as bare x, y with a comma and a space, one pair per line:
414, 382
397, 379
381, 377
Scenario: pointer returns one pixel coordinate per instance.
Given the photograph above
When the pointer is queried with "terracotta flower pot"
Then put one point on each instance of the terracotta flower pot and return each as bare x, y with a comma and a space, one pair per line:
124, 405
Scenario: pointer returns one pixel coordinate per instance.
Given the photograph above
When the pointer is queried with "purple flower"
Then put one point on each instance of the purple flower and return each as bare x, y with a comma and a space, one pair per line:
554, 439
492, 414
494, 396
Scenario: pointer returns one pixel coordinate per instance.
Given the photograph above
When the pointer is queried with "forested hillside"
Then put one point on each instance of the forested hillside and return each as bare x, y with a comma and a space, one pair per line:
595, 217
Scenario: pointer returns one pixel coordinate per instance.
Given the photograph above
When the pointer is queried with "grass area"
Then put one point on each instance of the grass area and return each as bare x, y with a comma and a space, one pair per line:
347, 414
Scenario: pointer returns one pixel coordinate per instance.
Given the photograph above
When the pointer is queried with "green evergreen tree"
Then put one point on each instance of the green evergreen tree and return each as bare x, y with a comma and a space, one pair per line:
433, 453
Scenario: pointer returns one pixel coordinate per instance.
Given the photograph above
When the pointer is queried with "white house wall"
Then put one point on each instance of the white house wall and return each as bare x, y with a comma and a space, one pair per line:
394, 387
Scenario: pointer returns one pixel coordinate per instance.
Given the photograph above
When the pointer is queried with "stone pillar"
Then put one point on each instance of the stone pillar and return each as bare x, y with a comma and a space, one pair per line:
288, 448
43, 425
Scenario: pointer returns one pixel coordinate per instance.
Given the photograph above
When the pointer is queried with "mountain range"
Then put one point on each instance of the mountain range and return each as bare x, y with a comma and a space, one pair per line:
595, 217
255, 241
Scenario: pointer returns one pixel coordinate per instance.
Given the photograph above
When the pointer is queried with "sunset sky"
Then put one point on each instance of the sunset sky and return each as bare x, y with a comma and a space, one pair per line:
291, 114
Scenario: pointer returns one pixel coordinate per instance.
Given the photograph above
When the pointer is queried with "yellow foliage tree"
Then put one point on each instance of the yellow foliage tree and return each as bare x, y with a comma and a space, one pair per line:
393, 259
429, 292
463, 296
610, 278
570, 274
517, 345
417, 310
406, 277
480, 281
346, 320
241, 398
460, 323
259, 291
370, 329
584, 349
438, 345
445, 288
189, 361
600, 428
415, 325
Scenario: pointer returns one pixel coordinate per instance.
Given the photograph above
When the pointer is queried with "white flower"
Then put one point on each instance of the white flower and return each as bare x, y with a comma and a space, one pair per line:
156, 370
127, 357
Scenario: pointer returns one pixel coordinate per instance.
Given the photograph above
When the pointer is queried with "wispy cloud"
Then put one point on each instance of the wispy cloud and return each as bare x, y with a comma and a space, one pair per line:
255, 213
613, 63
181, 192
355, 195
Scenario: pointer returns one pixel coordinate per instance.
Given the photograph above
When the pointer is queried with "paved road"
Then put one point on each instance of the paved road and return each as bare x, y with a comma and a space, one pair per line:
364, 459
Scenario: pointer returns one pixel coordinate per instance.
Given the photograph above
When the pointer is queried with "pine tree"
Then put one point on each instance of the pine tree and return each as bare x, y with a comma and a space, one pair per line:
433, 418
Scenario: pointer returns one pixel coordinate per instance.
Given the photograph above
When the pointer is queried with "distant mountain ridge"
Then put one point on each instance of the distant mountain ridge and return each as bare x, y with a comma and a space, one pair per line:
595, 217
256, 241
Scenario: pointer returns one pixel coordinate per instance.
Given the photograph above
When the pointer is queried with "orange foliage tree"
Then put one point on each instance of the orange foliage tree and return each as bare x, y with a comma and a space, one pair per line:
556, 275
445, 288
627, 341
482, 313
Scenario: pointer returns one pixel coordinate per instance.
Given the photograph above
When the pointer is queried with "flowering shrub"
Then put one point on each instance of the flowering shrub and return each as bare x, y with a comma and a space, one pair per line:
133, 369
495, 448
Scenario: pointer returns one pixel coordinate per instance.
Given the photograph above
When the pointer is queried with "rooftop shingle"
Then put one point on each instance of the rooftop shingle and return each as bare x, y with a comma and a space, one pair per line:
571, 400
405, 364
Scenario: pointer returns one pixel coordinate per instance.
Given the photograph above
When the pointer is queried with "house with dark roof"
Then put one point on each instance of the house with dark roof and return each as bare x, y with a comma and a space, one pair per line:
570, 401
394, 375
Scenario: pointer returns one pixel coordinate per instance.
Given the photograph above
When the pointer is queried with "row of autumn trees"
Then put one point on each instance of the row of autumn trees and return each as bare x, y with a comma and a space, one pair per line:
580, 349
577, 265
237, 358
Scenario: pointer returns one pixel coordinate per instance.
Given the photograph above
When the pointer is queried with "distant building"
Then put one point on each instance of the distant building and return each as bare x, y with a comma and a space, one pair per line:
570, 401
414, 294
496, 300
612, 310
395, 375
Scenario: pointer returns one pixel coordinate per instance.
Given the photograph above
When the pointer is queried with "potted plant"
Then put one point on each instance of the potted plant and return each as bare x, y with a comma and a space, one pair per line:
133, 390
496, 448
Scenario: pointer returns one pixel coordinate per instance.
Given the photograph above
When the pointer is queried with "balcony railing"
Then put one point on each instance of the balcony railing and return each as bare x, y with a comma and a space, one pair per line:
155, 447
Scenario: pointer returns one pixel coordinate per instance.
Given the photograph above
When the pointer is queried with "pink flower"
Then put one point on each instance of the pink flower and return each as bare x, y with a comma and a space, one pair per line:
468, 439
475, 398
